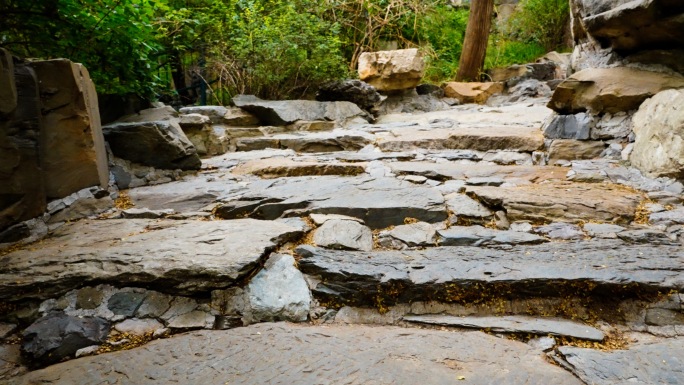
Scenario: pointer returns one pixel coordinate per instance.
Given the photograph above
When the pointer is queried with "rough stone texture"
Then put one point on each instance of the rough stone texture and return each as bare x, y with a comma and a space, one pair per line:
495, 137
564, 231
278, 292
466, 209
161, 144
338, 140
8, 88
11, 363
351, 90
419, 234
291, 354
344, 234
186, 257
230, 116
208, 140
576, 126
605, 89
57, 336
602, 230
283, 112
389, 71
511, 174
472, 92
22, 190
138, 327
609, 126
480, 236
561, 202
279, 167
659, 128
569, 149
515, 324
72, 147
380, 202
658, 363
465, 273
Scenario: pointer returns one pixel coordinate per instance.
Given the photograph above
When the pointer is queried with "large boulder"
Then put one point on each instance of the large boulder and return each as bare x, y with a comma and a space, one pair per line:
58, 336
153, 138
610, 90
283, 112
390, 71
659, 128
472, 92
72, 148
22, 191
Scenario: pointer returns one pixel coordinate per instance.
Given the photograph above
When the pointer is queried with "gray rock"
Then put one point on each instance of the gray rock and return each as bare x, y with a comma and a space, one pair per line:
433, 273
282, 112
485, 181
160, 144
196, 256
214, 113
480, 236
675, 216
195, 319
530, 88
560, 230
658, 363
576, 126
278, 292
144, 213
294, 354
6, 329
466, 209
89, 298
414, 234
515, 324
338, 140
125, 303
521, 227
154, 305
344, 234
58, 336
350, 90
138, 327
609, 126
192, 120
508, 157
645, 236
602, 230
380, 202
320, 219
191, 194
544, 344
664, 317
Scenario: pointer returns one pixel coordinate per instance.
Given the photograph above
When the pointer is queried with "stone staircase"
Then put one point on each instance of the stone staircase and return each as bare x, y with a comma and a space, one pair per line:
446, 221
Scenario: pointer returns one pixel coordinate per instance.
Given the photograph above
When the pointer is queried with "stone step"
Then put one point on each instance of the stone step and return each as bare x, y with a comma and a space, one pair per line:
601, 273
293, 354
338, 140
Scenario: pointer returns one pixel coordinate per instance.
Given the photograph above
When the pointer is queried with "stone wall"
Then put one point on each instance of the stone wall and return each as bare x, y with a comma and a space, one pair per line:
51, 143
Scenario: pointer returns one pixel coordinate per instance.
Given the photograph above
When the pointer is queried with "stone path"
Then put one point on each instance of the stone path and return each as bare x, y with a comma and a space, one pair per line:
456, 218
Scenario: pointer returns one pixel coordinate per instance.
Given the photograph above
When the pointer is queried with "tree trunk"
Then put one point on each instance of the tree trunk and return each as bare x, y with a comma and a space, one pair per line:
476, 37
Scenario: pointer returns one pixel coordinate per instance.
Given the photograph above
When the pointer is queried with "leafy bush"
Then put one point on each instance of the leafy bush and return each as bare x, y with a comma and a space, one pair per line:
543, 22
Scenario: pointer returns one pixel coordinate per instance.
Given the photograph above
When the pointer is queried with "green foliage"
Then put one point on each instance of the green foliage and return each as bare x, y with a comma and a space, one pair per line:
503, 52
543, 22
114, 39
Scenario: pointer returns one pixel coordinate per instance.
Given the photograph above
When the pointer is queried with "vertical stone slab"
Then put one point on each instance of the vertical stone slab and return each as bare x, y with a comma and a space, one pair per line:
72, 147
8, 89
22, 193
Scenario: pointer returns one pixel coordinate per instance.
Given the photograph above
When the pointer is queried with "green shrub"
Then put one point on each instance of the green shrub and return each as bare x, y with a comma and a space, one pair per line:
543, 22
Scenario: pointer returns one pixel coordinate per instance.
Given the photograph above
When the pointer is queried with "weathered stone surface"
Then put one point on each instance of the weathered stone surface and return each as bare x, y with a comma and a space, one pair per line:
613, 23
609, 126
480, 236
649, 236
670, 217
562, 202
138, 327
343, 140
576, 126
602, 230
344, 234
57, 336
560, 230
380, 202
208, 140
230, 116
605, 89
11, 363
282, 112
659, 128
527, 89
8, 87
511, 174
161, 144
419, 234
472, 92
515, 324
22, 190
279, 167
72, 147
570, 149
392, 70
466, 209
145, 213
292, 354
364, 278
351, 90
658, 363
496, 137
181, 257
278, 292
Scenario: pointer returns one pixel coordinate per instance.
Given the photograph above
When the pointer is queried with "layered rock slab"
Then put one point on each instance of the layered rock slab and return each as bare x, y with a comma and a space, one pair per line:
658, 363
605, 269
282, 112
284, 353
561, 202
177, 257
512, 174
380, 202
